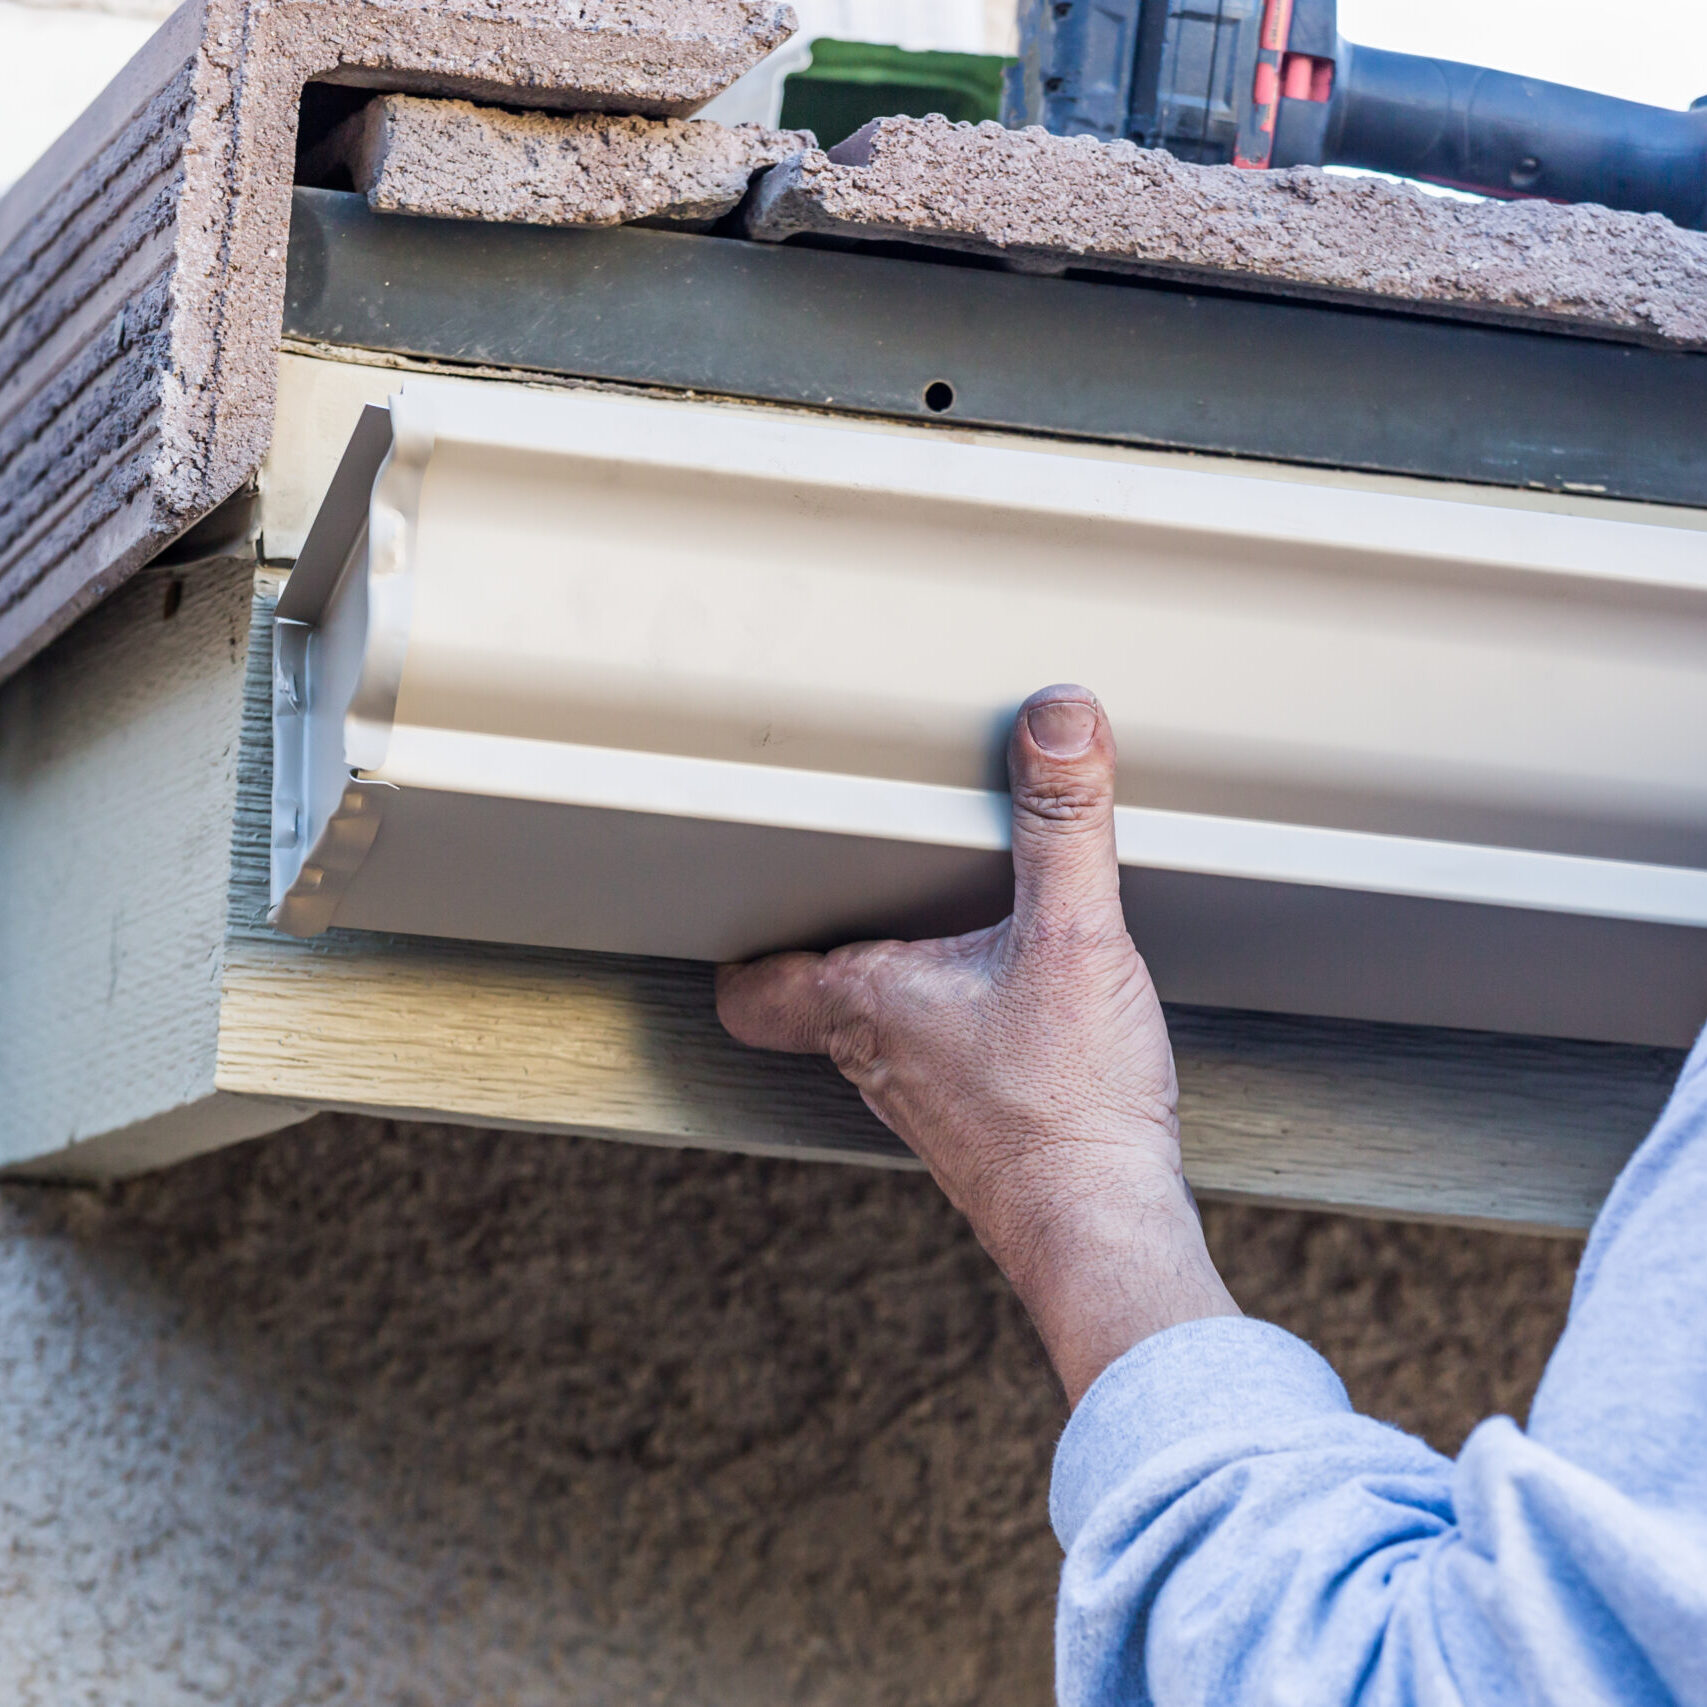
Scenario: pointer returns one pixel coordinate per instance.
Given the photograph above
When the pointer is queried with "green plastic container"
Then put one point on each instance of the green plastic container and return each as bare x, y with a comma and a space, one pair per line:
849, 83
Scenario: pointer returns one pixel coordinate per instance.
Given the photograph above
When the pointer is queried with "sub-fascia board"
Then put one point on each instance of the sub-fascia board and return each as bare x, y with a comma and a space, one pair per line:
1376, 1120
118, 780
320, 405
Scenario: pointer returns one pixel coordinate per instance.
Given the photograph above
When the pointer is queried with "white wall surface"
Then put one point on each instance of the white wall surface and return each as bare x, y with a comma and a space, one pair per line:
54, 60
1642, 50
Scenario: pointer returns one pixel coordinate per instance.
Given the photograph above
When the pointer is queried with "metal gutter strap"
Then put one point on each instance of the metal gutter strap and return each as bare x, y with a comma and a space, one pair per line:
340, 519
1125, 362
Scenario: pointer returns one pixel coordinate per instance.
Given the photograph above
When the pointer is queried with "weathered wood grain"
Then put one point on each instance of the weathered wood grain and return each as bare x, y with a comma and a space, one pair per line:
1468, 1127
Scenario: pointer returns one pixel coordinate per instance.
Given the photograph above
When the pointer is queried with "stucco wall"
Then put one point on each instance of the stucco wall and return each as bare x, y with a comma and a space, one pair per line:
382, 1414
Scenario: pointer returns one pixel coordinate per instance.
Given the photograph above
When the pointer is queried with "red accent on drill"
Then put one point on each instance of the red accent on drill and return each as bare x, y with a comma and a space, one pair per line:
1265, 91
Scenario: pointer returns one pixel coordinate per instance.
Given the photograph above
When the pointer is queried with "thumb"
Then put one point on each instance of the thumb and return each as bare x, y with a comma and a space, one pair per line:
1061, 770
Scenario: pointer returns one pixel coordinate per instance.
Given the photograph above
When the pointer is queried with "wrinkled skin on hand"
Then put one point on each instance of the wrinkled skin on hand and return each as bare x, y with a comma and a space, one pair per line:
1027, 1065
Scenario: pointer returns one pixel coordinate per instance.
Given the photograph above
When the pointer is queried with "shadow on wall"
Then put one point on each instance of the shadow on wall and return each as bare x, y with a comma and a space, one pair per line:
383, 1414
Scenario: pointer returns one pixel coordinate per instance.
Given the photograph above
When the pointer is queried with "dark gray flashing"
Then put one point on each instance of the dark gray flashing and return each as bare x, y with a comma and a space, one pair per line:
1126, 361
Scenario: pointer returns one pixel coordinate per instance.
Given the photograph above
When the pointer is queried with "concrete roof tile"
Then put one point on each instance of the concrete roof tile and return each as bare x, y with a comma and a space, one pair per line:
142, 260
1045, 202
456, 160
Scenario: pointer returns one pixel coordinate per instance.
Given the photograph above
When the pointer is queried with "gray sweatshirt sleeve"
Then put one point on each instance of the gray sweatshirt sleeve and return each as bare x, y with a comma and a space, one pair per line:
1237, 1536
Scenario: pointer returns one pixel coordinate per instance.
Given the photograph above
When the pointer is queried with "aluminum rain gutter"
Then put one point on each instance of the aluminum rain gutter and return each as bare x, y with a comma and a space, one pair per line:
587, 670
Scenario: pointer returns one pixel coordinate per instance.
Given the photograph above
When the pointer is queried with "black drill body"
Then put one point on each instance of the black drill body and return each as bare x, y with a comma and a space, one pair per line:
1271, 83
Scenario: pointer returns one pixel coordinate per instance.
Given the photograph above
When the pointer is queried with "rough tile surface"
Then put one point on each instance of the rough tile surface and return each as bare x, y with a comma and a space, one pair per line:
456, 160
1051, 202
377, 1416
142, 260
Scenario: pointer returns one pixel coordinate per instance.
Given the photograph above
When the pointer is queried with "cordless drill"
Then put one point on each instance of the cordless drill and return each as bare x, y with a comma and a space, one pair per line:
1270, 83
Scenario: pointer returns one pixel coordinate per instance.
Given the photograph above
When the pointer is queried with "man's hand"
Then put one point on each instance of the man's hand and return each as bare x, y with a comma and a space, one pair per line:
1027, 1065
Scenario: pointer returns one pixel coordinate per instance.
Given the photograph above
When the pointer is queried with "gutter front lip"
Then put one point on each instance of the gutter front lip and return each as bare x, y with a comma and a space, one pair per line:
828, 803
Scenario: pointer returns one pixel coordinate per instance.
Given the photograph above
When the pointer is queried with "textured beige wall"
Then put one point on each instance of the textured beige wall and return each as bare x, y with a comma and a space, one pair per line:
373, 1414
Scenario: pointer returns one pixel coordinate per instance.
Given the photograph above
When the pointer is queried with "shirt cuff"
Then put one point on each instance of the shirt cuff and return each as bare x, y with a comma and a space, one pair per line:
1225, 1372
